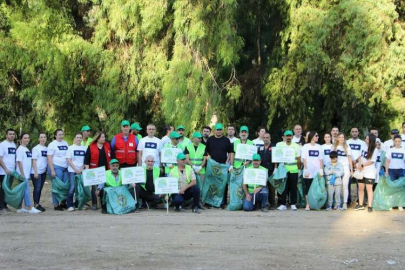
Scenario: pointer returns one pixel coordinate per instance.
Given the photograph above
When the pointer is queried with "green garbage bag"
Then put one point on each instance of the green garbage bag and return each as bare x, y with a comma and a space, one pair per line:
301, 202
60, 189
236, 193
14, 186
216, 177
279, 179
82, 193
389, 193
119, 201
317, 194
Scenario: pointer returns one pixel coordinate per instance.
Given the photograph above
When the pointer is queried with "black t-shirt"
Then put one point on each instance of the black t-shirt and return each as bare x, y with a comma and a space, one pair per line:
149, 185
102, 159
218, 148
195, 147
265, 154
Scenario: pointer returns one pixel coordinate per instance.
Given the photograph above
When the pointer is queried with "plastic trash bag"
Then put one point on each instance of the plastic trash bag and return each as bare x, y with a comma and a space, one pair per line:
60, 189
389, 193
82, 193
236, 192
301, 202
216, 177
317, 193
279, 179
14, 186
119, 201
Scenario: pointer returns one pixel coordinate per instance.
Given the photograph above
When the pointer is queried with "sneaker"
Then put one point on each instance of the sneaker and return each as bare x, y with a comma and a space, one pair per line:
340, 208
94, 207
64, 206
34, 211
22, 210
370, 209
293, 207
282, 208
70, 209
329, 208
265, 209
196, 211
344, 206
200, 206
401, 208
359, 207
40, 208
57, 208
177, 209
103, 211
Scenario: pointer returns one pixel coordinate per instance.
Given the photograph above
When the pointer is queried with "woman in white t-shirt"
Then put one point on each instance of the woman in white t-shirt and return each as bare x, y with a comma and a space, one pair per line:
39, 166
57, 164
311, 154
394, 163
345, 158
75, 158
326, 148
24, 165
378, 148
366, 164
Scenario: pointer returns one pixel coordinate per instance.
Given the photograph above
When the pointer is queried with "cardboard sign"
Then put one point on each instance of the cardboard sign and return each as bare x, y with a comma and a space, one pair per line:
94, 176
133, 175
166, 185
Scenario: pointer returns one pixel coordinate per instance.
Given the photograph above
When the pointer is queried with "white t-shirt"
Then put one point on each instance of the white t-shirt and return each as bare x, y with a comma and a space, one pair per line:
24, 155
325, 153
342, 156
76, 153
296, 140
39, 153
357, 147
165, 139
232, 140
58, 150
8, 152
370, 170
378, 165
150, 146
396, 157
258, 142
387, 145
313, 155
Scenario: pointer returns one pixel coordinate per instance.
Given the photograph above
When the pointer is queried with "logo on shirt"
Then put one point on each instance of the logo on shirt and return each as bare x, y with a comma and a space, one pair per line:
79, 153
355, 147
151, 145
28, 153
341, 153
11, 151
378, 159
313, 153
326, 152
44, 153
62, 147
364, 154
397, 155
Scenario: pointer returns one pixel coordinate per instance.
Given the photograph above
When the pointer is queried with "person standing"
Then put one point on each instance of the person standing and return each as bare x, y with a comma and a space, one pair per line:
124, 146
8, 151
149, 145
334, 172
231, 133
75, 158
135, 130
390, 143
259, 140
334, 132
206, 133
39, 166
378, 162
57, 164
166, 138
265, 153
253, 192
403, 135
196, 156
326, 148
243, 134
86, 132
374, 131
292, 172
183, 141
394, 164
297, 134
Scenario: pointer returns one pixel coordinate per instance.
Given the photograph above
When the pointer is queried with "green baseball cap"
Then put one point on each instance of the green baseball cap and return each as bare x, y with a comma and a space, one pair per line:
85, 128
288, 133
125, 123
136, 126
244, 128
181, 156
174, 134
197, 135
256, 157
114, 160
219, 126
180, 127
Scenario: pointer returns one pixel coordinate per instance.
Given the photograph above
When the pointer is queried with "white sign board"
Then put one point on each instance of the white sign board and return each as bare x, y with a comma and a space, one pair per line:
166, 185
245, 151
169, 155
283, 155
132, 175
256, 177
93, 177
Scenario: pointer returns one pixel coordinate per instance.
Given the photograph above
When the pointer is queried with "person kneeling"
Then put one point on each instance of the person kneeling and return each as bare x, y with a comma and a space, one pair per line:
260, 192
147, 192
187, 184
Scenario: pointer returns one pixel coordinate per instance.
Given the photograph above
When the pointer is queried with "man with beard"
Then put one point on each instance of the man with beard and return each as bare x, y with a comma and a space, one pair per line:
206, 132
243, 134
265, 152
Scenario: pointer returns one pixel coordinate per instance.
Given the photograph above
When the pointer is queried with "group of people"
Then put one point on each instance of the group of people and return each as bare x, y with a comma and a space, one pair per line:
349, 166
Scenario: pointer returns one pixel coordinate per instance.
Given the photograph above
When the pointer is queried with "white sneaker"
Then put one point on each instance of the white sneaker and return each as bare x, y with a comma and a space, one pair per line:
293, 207
401, 208
282, 208
22, 210
34, 211
70, 209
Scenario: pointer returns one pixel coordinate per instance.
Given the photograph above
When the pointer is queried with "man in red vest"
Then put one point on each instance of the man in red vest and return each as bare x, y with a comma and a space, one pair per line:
124, 146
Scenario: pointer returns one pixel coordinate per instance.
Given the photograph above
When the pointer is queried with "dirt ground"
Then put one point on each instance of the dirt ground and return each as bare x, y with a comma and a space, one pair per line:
215, 239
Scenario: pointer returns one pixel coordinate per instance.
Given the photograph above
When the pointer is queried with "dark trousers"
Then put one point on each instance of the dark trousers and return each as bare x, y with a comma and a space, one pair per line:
2, 204
93, 195
308, 182
149, 196
272, 195
225, 198
38, 184
193, 192
290, 189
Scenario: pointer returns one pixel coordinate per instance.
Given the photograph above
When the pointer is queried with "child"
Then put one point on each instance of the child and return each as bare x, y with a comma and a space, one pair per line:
334, 172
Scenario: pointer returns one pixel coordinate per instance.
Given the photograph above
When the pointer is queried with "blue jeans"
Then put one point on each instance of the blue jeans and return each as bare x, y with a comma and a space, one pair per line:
62, 174
396, 173
38, 184
71, 193
27, 200
192, 192
262, 197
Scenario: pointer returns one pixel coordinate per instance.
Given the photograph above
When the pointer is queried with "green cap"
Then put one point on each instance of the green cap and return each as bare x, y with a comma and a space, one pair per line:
174, 134
85, 128
114, 160
125, 123
197, 135
180, 127
136, 126
288, 132
244, 128
219, 126
256, 157
181, 156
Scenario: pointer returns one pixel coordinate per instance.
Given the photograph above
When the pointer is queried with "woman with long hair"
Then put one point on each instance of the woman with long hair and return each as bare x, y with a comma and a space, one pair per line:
39, 166
326, 148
